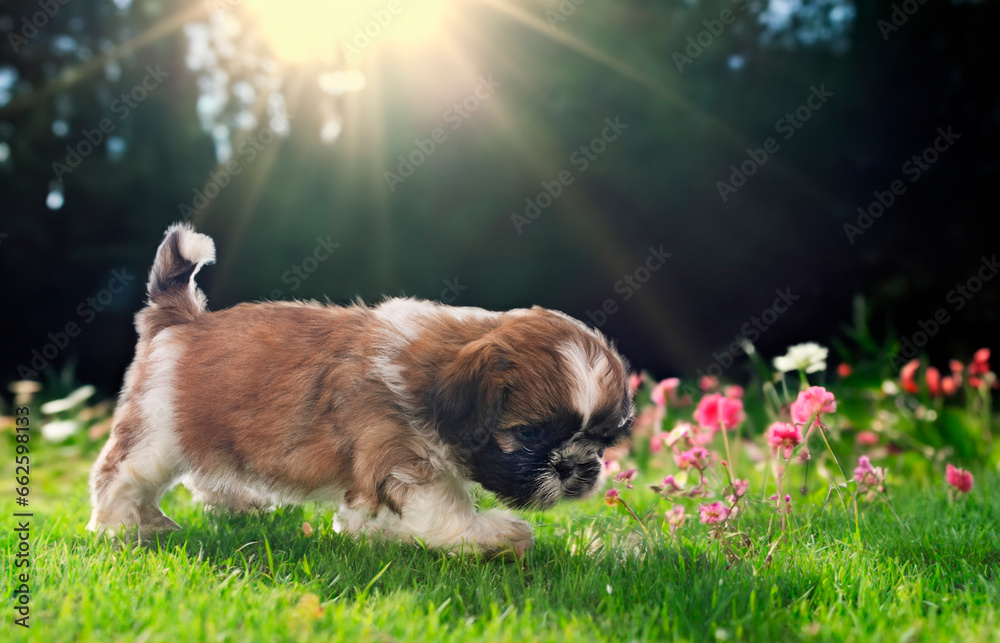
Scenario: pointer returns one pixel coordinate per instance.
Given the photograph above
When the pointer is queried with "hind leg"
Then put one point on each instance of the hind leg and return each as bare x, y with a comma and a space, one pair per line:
235, 498
126, 484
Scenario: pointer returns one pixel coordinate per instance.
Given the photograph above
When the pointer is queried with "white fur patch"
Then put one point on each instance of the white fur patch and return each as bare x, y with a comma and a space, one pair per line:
407, 316
442, 514
154, 463
588, 376
157, 459
195, 247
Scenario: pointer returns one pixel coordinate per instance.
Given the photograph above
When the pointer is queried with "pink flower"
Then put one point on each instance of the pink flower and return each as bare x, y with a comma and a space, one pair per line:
733, 391
867, 476
668, 486
933, 378
740, 488
785, 437
612, 467
647, 421
948, 385
906, 376
714, 513
695, 435
656, 442
697, 458
958, 478
611, 497
634, 382
844, 370
956, 368
716, 412
814, 400
666, 391
627, 477
707, 383
867, 438
675, 517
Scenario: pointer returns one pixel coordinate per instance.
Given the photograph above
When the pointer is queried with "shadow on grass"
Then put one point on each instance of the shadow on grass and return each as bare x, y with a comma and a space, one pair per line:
680, 588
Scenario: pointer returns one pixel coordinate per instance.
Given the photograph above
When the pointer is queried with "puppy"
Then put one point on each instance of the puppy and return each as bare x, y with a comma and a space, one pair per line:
388, 411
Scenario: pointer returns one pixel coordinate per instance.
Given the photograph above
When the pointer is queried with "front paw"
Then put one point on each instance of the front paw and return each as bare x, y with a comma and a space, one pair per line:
502, 533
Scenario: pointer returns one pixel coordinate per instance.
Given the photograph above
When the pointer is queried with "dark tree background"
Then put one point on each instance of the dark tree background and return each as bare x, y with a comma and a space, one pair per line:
447, 230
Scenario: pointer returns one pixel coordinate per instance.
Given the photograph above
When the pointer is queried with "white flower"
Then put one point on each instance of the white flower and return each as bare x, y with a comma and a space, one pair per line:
59, 431
889, 388
76, 397
809, 357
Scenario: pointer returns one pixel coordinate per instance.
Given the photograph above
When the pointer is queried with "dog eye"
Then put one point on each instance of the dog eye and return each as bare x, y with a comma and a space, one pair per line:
528, 434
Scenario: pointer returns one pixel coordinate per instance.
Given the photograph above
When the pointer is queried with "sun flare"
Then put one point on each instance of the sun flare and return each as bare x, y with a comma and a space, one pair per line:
305, 30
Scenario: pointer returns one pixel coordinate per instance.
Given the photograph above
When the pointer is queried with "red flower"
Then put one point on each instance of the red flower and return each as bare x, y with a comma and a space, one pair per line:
933, 377
959, 478
906, 376
716, 412
708, 382
844, 370
980, 362
611, 497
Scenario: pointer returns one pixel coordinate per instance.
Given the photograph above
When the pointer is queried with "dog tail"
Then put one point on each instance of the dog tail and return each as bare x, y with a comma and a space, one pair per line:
173, 296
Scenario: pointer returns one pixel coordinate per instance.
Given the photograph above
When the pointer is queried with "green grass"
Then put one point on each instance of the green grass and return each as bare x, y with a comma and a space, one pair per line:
589, 577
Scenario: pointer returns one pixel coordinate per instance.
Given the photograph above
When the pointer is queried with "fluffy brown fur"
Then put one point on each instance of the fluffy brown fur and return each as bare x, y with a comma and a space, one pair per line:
389, 411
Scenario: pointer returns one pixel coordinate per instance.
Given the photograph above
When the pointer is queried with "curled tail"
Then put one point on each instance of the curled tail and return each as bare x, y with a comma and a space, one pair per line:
173, 296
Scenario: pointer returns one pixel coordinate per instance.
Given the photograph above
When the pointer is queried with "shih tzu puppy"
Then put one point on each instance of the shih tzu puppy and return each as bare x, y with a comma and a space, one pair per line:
390, 411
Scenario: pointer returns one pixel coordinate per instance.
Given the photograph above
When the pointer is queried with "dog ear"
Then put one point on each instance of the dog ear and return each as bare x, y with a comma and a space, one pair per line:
468, 394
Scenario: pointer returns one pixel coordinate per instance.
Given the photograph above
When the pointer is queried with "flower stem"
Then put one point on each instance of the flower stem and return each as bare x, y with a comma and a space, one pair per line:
649, 539
729, 456
857, 521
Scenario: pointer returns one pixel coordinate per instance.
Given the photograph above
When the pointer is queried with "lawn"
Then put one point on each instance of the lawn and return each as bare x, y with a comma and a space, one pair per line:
590, 576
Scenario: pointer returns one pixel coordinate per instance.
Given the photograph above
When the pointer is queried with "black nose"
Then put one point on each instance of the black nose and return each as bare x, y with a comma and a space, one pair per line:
564, 468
